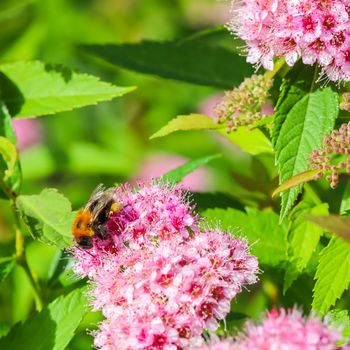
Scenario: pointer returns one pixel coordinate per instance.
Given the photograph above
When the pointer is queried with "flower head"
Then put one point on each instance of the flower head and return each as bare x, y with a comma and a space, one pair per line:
158, 280
286, 329
165, 296
334, 157
243, 105
316, 31
149, 212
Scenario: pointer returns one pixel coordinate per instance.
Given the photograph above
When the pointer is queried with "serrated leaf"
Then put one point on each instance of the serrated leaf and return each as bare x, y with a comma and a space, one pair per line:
187, 122
194, 61
304, 237
304, 127
52, 328
178, 174
293, 88
6, 266
12, 176
296, 180
49, 216
267, 237
333, 223
32, 89
251, 141
332, 275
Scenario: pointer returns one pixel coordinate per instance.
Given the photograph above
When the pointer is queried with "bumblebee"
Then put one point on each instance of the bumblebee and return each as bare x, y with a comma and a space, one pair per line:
91, 219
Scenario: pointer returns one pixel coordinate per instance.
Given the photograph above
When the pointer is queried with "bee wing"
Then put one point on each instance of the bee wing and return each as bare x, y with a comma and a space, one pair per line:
95, 197
102, 203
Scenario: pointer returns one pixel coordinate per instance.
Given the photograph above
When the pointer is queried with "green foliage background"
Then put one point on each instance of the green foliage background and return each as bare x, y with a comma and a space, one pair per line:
175, 71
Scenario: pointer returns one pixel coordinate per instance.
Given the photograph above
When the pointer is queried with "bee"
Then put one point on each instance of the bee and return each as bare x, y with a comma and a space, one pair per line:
91, 219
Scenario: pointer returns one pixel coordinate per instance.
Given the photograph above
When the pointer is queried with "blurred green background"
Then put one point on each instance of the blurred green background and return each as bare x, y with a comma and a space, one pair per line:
109, 143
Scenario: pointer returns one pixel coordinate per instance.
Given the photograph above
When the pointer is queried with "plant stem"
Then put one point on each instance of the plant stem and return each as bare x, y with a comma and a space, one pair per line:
22, 261
277, 66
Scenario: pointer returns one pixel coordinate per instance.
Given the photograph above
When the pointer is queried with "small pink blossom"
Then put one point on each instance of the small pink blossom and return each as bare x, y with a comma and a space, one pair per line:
163, 297
313, 30
285, 330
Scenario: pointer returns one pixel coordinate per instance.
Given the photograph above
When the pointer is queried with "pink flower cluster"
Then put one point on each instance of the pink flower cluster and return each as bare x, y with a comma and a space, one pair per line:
149, 212
315, 30
158, 279
285, 330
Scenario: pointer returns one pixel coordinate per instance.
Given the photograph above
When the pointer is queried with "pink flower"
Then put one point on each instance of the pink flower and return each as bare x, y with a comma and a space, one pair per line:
286, 330
148, 212
164, 296
158, 280
316, 31
28, 132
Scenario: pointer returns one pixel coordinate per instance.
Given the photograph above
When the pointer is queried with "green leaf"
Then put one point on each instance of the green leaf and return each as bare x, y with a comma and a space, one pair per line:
49, 217
32, 89
193, 62
8, 152
12, 175
345, 202
206, 200
251, 141
304, 127
304, 237
52, 328
176, 175
332, 275
6, 266
333, 223
294, 87
262, 230
296, 180
187, 122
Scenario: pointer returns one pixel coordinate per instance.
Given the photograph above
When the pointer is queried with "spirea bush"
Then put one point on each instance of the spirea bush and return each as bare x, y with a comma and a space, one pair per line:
253, 254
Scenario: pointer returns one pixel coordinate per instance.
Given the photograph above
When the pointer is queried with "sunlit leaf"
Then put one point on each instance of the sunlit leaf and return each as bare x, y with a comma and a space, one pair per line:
32, 89
295, 180
332, 275
187, 122
49, 216
251, 141
52, 328
304, 237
